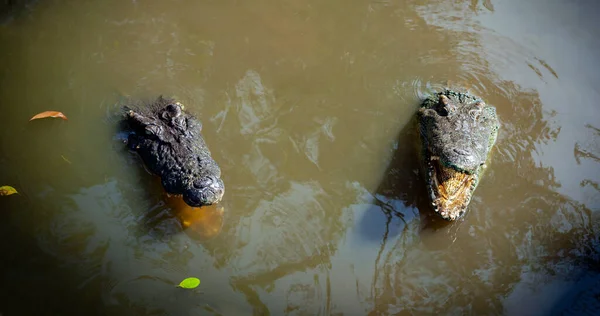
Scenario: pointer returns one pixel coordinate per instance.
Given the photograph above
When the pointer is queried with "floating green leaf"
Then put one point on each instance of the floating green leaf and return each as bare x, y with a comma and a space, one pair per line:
190, 283
7, 190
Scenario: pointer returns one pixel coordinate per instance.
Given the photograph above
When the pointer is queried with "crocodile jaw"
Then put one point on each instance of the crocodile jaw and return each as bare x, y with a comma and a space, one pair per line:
450, 190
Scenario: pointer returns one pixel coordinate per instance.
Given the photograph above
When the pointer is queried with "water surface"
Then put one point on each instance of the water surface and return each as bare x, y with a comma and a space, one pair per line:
308, 108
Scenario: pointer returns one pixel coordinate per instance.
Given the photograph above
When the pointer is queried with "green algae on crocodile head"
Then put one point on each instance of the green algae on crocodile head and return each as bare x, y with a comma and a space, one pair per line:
457, 132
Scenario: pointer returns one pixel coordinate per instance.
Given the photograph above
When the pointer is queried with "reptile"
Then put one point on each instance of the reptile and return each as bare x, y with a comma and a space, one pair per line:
457, 132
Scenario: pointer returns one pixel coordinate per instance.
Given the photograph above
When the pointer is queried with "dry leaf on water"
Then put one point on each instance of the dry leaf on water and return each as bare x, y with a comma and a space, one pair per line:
7, 190
49, 114
66, 160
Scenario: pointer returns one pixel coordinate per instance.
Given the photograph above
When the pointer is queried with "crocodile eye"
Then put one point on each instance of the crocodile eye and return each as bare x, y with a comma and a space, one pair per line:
172, 110
445, 107
443, 100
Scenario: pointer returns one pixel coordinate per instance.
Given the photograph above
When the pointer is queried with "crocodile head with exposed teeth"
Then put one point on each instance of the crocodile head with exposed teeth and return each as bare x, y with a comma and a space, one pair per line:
457, 133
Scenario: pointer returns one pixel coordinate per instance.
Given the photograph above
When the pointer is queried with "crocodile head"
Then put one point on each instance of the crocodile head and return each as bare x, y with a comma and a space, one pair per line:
457, 133
170, 143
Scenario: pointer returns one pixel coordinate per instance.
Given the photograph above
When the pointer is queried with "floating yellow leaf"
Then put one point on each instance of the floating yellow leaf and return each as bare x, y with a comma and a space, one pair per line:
7, 190
48, 114
190, 283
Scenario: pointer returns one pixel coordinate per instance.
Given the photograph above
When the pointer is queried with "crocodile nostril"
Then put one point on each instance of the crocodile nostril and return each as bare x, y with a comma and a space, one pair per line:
202, 183
199, 184
475, 113
462, 152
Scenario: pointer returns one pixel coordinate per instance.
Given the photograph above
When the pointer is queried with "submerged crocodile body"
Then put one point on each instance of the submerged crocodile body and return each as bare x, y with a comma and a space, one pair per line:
457, 132
170, 144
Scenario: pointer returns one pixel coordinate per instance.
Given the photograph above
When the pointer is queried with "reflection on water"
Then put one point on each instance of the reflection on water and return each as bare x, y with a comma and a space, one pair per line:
309, 111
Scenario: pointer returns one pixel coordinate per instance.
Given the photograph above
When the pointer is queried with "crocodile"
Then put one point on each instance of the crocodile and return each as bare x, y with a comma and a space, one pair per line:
457, 132
169, 142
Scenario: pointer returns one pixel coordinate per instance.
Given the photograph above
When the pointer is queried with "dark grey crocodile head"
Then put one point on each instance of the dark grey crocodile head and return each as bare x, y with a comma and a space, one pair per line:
170, 143
205, 190
457, 133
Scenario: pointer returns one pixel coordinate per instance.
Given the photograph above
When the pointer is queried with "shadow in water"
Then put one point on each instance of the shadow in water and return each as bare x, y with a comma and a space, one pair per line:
516, 217
37, 273
171, 216
11, 9
167, 215
401, 196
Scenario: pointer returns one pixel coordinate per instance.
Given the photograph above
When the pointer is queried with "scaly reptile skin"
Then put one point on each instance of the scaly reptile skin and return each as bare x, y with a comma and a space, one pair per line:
171, 146
457, 133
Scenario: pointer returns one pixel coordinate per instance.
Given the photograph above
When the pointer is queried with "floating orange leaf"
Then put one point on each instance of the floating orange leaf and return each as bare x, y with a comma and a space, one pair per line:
49, 114
7, 190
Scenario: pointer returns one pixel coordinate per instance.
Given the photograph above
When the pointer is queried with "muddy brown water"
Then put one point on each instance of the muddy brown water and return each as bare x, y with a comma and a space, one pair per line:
307, 106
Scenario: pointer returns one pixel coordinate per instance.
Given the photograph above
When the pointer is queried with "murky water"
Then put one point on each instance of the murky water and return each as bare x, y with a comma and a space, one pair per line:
307, 106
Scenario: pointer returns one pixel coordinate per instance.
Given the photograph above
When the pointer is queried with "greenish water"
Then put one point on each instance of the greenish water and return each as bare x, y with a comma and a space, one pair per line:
307, 107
